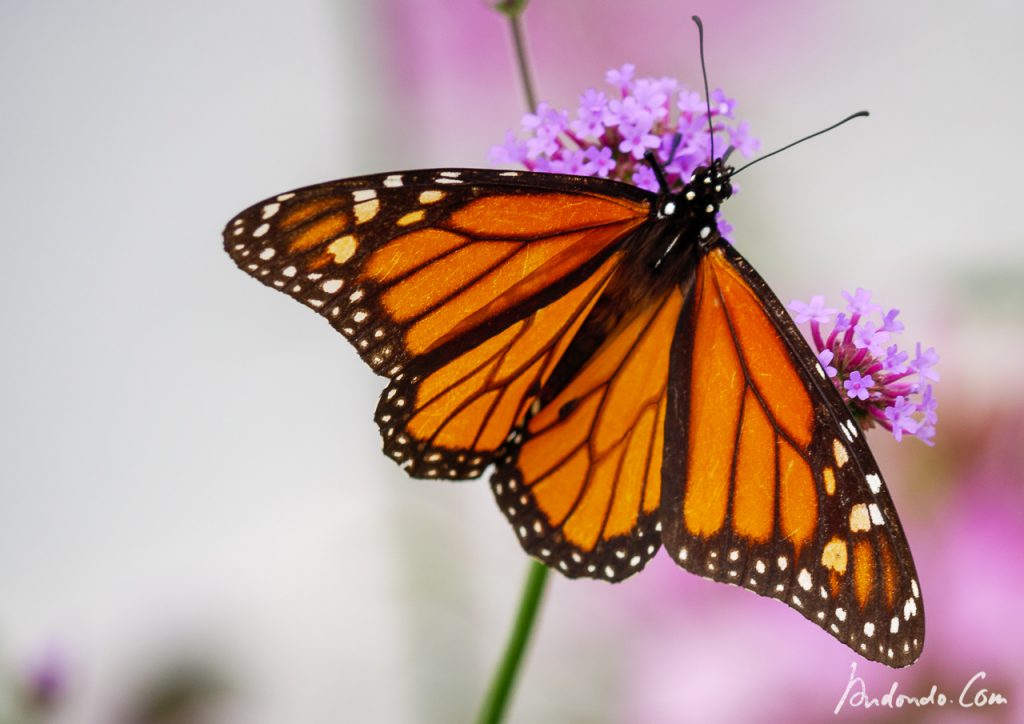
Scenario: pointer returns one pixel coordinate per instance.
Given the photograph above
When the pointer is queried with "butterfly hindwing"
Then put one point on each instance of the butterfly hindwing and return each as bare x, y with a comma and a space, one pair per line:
769, 483
581, 484
461, 286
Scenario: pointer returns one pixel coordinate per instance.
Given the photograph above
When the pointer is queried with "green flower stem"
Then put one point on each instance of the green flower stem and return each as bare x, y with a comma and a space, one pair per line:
494, 706
513, 10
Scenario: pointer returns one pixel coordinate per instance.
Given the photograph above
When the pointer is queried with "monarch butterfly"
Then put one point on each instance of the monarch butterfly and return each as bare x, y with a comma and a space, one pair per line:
631, 379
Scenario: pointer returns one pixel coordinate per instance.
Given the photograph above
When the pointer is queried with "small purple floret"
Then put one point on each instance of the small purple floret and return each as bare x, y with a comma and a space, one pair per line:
857, 386
815, 311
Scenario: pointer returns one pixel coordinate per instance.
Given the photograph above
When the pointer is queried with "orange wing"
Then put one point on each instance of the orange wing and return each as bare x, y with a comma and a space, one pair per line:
463, 287
449, 422
770, 484
581, 484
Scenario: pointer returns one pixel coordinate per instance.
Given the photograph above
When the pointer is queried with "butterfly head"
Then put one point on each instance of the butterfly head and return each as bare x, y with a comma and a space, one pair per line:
709, 184
700, 200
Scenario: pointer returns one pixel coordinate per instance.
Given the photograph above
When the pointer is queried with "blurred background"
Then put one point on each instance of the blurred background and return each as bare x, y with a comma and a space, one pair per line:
196, 523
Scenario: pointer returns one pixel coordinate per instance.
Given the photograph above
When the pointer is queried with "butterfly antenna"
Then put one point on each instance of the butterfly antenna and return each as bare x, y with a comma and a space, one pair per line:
858, 114
676, 140
707, 93
659, 172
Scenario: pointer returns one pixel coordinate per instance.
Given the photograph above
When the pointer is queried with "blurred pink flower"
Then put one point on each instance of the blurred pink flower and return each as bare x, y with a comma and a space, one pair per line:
44, 681
972, 570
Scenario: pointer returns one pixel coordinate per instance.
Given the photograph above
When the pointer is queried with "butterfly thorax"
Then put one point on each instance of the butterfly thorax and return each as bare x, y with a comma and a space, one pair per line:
684, 225
692, 213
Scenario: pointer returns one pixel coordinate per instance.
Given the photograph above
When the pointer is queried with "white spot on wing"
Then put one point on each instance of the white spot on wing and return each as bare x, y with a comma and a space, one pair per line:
859, 518
839, 451
876, 514
393, 181
874, 482
804, 579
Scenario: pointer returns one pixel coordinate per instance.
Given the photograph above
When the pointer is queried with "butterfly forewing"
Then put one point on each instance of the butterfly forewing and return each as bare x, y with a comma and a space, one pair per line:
770, 485
461, 286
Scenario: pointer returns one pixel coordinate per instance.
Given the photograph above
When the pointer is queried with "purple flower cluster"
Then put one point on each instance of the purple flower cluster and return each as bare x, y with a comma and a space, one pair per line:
611, 131
879, 381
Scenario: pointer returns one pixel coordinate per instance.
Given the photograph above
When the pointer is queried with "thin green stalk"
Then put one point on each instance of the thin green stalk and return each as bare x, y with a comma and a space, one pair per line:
513, 10
494, 706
